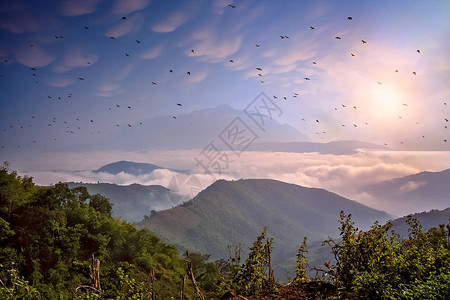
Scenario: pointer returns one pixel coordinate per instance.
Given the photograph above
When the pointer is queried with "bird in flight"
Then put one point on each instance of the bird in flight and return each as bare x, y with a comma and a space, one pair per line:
189, 73
307, 78
124, 18
418, 51
232, 6
179, 104
138, 41
364, 41
311, 27
349, 18
337, 37
414, 73
352, 54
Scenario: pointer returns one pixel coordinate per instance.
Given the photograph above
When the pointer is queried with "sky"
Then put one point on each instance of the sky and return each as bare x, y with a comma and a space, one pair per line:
80, 75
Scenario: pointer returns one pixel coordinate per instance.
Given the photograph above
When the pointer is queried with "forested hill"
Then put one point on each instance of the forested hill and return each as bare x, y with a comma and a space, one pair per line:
233, 212
133, 202
48, 235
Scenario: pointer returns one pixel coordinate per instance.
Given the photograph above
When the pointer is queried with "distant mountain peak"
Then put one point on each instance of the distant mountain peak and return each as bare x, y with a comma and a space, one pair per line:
129, 167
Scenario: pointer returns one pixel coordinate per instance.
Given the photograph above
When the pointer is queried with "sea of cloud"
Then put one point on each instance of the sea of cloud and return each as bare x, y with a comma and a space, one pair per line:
346, 175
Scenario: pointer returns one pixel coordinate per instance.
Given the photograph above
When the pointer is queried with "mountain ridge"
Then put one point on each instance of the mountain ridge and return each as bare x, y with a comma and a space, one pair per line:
234, 212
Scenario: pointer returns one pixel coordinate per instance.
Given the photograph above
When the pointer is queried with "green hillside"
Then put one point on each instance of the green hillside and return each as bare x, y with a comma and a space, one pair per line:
132, 202
49, 234
233, 212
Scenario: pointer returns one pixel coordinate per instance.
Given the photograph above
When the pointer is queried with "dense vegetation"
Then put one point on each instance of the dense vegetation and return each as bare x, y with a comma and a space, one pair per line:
49, 234
62, 243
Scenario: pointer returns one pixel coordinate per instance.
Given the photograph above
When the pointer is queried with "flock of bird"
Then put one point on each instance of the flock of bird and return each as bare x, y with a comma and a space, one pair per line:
80, 124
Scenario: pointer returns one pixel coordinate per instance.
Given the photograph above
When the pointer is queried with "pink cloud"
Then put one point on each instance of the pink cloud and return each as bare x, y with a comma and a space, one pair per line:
33, 57
171, 23
79, 7
128, 6
216, 50
75, 58
60, 82
132, 24
152, 53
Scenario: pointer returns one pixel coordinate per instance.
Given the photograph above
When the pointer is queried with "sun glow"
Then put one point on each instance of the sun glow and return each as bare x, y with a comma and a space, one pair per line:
386, 103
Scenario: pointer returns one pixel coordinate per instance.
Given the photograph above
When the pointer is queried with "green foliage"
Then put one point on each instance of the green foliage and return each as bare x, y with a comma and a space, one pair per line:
16, 287
378, 264
255, 275
302, 263
48, 234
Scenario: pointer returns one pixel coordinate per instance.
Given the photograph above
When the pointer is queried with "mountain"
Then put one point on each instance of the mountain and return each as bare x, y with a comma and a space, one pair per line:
337, 147
133, 202
194, 130
235, 212
423, 191
428, 220
129, 167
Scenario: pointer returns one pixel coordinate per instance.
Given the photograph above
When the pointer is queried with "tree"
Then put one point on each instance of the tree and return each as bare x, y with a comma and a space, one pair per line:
101, 204
379, 264
302, 263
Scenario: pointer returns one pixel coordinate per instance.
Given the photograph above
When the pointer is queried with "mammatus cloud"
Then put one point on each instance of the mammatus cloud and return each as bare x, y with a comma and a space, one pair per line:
108, 89
153, 52
132, 24
59, 81
128, 6
170, 23
79, 7
197, 76
33, 57
75, 58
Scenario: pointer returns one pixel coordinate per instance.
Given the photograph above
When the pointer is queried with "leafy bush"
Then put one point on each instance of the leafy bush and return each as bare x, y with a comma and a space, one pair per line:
379, 264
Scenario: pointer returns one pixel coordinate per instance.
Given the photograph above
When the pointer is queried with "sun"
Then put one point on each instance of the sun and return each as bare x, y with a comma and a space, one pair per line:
386, 102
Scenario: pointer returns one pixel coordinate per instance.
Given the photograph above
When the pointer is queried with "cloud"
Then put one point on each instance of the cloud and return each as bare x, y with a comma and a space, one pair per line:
79, 7
75, 58
33, 57
19, 22
153, 52
219, 6
59, 81
108, 89
411, 186
132, 24
128, 6
343, 174
215, 49
170, 23
197, 76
